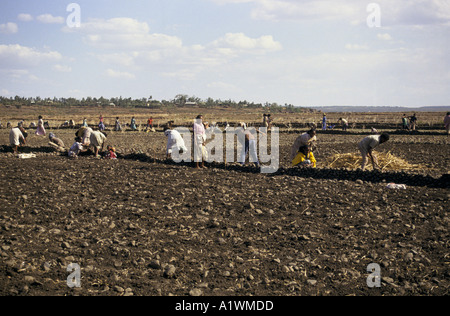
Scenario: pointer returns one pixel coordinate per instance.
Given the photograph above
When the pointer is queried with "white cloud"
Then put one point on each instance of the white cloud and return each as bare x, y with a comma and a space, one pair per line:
124, 34
22, 57
181, 74
415, 12
120, 59
223, 86
62, 68
384, 37
50, 19
24, 17
9, 28
393, 12
76, 91
348, 77
14, 73
18, 76
121, 75
222, 2
232, 46
356, 47
295, 10
278, 10
242, 42
127, 48
134, 44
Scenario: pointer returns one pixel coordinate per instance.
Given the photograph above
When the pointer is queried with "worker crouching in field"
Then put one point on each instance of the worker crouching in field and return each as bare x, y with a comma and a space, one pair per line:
17, 138
175, 143
367, 145
56, 143
85, 134
76, 149
97, 142
306, 139
93, 139
344, 124
305, 158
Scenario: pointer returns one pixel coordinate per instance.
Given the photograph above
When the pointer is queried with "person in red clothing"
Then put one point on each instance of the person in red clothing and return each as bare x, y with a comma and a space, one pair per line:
111, 154
150, 123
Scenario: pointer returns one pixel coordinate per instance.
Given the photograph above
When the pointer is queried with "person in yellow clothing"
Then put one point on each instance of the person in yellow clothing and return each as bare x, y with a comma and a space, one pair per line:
305, 158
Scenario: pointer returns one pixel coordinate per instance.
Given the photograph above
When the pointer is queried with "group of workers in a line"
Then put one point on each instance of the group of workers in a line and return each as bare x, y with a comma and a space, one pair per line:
302, 151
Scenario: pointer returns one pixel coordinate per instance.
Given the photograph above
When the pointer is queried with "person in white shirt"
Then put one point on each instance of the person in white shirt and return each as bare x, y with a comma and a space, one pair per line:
367, 145
344, 123
175, 142
17, 138
77, 148
199, 141
97, 141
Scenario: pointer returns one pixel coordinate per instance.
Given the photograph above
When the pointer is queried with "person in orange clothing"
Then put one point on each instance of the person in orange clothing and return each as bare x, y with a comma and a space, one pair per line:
150, 127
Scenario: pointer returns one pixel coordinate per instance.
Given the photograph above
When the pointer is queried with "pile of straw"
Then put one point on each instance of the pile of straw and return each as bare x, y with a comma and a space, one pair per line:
386, 161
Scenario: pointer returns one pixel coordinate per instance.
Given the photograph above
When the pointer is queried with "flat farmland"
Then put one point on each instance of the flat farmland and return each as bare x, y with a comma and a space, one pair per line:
145, 226
184, 116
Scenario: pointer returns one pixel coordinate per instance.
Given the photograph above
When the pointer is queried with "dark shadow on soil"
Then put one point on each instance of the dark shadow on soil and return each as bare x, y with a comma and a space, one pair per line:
370, 176
319, 174
169, 162
27, 150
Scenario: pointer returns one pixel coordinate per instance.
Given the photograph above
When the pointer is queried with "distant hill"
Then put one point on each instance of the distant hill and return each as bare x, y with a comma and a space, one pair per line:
379, 109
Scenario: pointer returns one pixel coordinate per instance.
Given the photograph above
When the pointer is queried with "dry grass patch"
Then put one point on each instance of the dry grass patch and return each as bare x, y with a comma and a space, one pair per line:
386, 161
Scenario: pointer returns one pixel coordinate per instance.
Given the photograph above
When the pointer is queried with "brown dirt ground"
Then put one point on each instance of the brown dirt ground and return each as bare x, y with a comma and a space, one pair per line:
227, 230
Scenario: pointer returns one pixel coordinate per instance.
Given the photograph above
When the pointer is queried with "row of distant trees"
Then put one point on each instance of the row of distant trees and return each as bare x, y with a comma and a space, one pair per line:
180, 100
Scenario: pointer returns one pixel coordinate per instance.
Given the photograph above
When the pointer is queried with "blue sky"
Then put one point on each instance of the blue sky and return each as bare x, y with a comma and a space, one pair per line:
304, 52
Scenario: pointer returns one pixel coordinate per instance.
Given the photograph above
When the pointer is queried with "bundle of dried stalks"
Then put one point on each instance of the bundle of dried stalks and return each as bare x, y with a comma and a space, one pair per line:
386, 161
